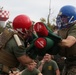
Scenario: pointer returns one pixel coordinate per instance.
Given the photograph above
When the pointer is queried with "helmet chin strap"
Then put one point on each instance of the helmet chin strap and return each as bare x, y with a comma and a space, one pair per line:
20, 30
73, 22
71, 18
70, 21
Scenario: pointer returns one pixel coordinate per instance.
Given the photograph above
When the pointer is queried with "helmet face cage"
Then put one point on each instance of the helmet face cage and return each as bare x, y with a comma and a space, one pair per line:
58, 22
69, 12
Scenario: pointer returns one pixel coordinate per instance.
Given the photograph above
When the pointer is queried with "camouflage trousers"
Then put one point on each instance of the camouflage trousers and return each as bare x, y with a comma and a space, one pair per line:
69, 71
69, 68
72, 71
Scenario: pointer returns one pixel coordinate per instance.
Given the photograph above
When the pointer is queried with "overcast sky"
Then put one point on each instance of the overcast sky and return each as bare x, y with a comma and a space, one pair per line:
35, 9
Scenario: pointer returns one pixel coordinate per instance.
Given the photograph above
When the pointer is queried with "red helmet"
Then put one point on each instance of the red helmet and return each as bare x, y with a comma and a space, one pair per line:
22, 23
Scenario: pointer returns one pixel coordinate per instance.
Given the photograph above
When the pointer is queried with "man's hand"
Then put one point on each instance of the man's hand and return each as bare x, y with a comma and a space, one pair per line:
42, 62
25, 59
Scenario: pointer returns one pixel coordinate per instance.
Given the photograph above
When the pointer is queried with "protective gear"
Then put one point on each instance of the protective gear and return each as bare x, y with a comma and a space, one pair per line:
43, 31
68, 12
6, 59
42, 43
45, 43
22, 23
39, 46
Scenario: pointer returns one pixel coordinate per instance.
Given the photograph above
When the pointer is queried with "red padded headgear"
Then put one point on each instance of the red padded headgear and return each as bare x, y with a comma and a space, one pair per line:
40, 43
40, 29
22, 22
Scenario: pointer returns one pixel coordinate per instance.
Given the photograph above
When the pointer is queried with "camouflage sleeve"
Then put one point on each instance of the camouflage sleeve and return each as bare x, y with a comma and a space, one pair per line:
72, 31
13, 48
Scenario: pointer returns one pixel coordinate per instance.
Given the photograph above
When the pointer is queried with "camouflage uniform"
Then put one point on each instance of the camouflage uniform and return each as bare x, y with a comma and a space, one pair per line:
69, 53
72, 71
9, 51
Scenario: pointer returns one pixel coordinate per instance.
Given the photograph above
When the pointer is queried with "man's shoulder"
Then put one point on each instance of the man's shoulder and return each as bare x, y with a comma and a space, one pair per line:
12, 42
36, 70
73, 26
53, 61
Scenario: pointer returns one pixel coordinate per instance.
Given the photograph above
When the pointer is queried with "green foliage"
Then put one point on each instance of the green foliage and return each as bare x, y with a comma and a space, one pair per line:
50, 25
8, 24
43, 20
1, 28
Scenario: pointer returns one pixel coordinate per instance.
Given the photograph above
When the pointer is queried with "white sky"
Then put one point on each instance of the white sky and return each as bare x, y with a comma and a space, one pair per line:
35, 9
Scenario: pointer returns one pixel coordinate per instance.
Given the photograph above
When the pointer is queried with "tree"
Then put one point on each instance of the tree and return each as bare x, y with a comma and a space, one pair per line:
43, 20
51, 25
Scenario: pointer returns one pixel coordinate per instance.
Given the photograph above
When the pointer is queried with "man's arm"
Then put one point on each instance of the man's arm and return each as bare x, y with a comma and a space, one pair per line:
68, 42
40, 74
24, 59
57, 72
41, 65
